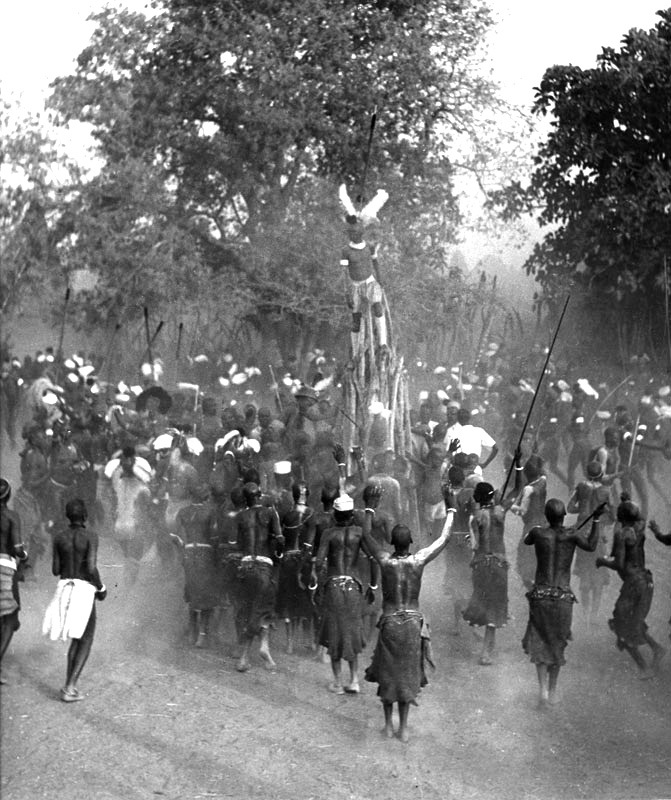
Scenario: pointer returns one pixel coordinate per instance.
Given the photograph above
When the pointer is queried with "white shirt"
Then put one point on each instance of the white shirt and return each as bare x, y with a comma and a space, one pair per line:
472, 439
453, 432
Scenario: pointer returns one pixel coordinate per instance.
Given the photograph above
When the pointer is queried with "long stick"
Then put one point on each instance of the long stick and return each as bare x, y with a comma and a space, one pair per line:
633, 442
608, 396
277, 388
146, 331
59, 352
360, 196
538, 386
179, 340
596, 511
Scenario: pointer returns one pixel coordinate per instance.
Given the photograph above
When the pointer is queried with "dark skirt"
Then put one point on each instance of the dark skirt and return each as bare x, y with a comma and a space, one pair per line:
398, 660
342, 631
489, 602
631, 609
549, 627
203, 578
255, 594
293, 602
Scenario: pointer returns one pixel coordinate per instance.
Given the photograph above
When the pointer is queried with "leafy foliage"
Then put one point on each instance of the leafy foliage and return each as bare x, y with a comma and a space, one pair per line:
602, 180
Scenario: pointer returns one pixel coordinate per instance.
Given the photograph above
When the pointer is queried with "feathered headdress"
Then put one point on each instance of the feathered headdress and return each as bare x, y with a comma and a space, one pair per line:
369, 212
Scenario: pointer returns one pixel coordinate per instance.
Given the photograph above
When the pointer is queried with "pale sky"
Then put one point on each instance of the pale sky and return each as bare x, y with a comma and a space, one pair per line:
39, 39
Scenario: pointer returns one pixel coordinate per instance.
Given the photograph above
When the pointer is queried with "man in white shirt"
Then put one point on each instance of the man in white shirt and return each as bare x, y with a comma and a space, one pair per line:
473, 439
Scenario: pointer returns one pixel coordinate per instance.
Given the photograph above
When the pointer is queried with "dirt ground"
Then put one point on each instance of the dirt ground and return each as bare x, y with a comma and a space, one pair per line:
162, 719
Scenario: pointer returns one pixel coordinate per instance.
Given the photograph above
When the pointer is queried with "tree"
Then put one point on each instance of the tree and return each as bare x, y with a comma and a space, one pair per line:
602, 180
243, 117
35, 179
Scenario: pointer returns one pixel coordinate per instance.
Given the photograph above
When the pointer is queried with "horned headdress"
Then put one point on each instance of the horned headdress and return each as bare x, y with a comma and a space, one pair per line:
368, 213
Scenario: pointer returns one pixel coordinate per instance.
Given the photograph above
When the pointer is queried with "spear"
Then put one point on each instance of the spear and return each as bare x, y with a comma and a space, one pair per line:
538, 386
373, 120
179, 340
277, 388
59, 352
608, 396
596, 511
633, 441
146, 331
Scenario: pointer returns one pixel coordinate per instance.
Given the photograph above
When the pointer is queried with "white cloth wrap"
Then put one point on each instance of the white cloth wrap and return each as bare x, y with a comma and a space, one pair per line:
68, 613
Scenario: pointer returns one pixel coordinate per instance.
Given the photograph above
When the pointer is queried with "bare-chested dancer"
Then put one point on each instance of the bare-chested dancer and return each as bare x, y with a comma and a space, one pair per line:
260, 541
551, 599
632, 606
72, 612
398, 661
12, 551
342, 629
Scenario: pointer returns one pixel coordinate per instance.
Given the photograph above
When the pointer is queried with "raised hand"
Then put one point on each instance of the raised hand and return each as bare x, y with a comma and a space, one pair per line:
339, 453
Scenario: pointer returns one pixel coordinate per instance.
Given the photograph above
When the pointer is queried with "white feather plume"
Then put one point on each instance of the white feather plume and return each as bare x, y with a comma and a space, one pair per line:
347, 203
369, 211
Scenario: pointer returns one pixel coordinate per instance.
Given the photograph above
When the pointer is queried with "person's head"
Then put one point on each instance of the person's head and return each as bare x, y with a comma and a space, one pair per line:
435, 456
460, 460
473, 461
200, 493
611, 437
264, 416
35, 434
452, 410
627, 512
75, 511
343, 509
401, 538
252, 493
251, 475
5, 490
329, 494
238, 497
127, 459
555, 511
463, 416
533, 467
594, 470
300, 492
305, 398
483, 494
424, 413
455, 475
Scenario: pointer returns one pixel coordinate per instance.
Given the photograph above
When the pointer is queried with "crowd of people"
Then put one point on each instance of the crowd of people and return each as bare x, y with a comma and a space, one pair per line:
240, 489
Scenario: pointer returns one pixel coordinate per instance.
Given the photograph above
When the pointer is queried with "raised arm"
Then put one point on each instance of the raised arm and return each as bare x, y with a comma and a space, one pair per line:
428, 553
664, 538
589, 541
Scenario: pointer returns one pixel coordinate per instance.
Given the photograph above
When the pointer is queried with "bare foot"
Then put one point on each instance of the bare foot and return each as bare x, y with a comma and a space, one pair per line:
403, 735
485, 660
646, 674
658, 655
553, 699
242, 665
388, 732
336, 688
353, 688
201, 641
267, 658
